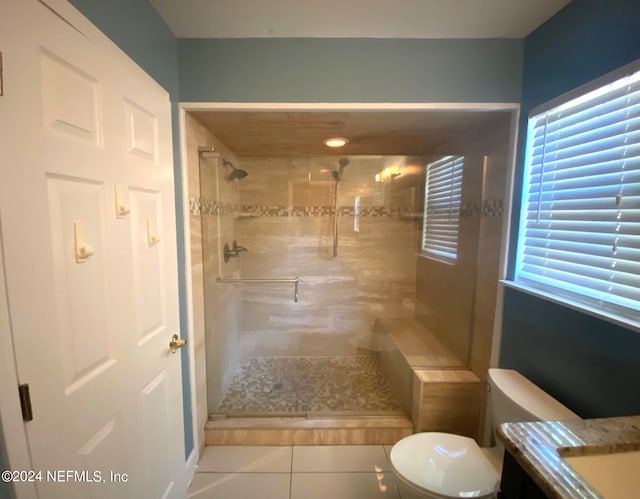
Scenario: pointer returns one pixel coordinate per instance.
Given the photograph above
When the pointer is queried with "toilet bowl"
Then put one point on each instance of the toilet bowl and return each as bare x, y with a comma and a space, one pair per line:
444, 466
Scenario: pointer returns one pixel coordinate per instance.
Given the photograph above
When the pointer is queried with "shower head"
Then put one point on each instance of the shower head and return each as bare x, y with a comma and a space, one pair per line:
337, 175
236, 174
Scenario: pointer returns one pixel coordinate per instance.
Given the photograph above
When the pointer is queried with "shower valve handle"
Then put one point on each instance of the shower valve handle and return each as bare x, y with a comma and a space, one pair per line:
237, 249
233, 252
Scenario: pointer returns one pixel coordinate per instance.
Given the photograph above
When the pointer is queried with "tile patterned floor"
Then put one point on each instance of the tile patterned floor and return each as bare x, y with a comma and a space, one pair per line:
302, 385
295, 472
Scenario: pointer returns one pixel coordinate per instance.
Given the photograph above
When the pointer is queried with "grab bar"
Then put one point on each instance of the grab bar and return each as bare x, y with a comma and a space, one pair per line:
294, 280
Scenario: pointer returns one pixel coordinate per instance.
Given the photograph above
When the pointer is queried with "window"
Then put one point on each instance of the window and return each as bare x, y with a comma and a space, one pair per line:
579, 238
442, 194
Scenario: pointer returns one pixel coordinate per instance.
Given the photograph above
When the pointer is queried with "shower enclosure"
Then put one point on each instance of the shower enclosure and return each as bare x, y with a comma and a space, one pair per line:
350, 228
315, 356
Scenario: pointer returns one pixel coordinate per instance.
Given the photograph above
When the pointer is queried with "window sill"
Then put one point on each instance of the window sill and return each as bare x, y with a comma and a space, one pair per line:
439, 259
618, 320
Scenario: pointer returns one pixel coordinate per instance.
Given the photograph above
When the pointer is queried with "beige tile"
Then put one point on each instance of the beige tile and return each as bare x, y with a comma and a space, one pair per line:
210, 379
240, 486
209, 167
340, 458
259, 459
343, 485
308, 431
417, 344
447, 400
339, 298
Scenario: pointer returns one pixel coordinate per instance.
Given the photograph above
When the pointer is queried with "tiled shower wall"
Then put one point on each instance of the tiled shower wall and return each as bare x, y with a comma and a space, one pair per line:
493, 141
457, 302
216, 308
284, 218
445, 291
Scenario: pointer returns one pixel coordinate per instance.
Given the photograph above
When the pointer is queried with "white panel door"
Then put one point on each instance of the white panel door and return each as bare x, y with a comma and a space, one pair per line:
86, 196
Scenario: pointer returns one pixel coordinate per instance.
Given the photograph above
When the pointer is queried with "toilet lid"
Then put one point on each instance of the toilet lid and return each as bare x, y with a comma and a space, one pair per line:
449, 465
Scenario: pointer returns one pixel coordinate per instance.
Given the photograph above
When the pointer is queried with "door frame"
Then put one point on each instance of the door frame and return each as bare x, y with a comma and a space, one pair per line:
194, 457
12, 427
185, 107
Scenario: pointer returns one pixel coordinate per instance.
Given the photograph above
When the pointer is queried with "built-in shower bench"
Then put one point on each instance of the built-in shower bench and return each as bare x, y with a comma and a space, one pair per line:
430, 382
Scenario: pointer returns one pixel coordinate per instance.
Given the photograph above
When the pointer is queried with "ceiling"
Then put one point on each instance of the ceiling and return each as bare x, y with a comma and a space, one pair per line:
301, 133
355, 18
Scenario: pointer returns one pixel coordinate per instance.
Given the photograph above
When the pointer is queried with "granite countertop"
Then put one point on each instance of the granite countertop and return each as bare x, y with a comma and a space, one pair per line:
539, 447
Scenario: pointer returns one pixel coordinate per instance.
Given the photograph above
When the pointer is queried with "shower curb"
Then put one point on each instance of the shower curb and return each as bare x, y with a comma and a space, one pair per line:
379, 430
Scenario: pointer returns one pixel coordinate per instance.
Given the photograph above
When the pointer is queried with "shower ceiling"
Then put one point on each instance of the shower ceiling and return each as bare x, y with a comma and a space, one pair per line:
290, 134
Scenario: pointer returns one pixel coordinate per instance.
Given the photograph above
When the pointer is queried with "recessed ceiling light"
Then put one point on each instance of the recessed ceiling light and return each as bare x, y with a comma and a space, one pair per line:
335, 141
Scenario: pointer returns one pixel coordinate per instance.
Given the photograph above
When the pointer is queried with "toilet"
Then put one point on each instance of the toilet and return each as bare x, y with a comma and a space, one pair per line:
443, 465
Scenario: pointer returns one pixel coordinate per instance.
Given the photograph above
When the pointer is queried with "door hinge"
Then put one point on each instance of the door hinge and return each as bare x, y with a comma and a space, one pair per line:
25, 402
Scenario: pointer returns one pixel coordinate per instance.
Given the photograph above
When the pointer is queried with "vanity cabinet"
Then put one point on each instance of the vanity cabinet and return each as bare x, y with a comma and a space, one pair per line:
516, 483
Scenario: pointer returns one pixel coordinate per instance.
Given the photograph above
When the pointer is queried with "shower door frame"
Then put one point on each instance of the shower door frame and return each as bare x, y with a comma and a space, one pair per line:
185, 107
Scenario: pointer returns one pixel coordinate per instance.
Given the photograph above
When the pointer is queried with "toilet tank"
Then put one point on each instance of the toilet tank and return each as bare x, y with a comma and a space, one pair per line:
514, 398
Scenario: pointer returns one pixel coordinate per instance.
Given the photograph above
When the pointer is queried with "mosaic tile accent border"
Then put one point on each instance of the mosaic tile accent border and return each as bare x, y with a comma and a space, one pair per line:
492, 208
263, 210
470, 209
488, 208
311, 211
194, 205
209, 207
203, 206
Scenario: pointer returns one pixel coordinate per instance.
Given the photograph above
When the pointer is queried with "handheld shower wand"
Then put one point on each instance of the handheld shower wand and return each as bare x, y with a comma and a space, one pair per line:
337, 176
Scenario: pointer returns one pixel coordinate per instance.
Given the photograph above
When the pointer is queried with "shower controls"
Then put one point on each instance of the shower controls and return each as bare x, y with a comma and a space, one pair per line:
233, 251
228, 253
238, 249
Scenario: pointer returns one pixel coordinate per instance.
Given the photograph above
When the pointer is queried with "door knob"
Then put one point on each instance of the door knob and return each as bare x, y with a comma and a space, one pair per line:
176, 342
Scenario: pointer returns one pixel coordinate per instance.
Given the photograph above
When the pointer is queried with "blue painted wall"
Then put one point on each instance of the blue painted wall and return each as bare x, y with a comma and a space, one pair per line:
591, 365
5, 490
136, 27
350, 70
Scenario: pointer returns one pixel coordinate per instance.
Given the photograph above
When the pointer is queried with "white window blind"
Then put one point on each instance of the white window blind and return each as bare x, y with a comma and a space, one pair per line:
442, 195
580, 227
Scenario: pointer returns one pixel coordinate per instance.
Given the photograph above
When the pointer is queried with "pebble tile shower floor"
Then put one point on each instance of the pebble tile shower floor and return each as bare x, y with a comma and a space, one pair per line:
303, 385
